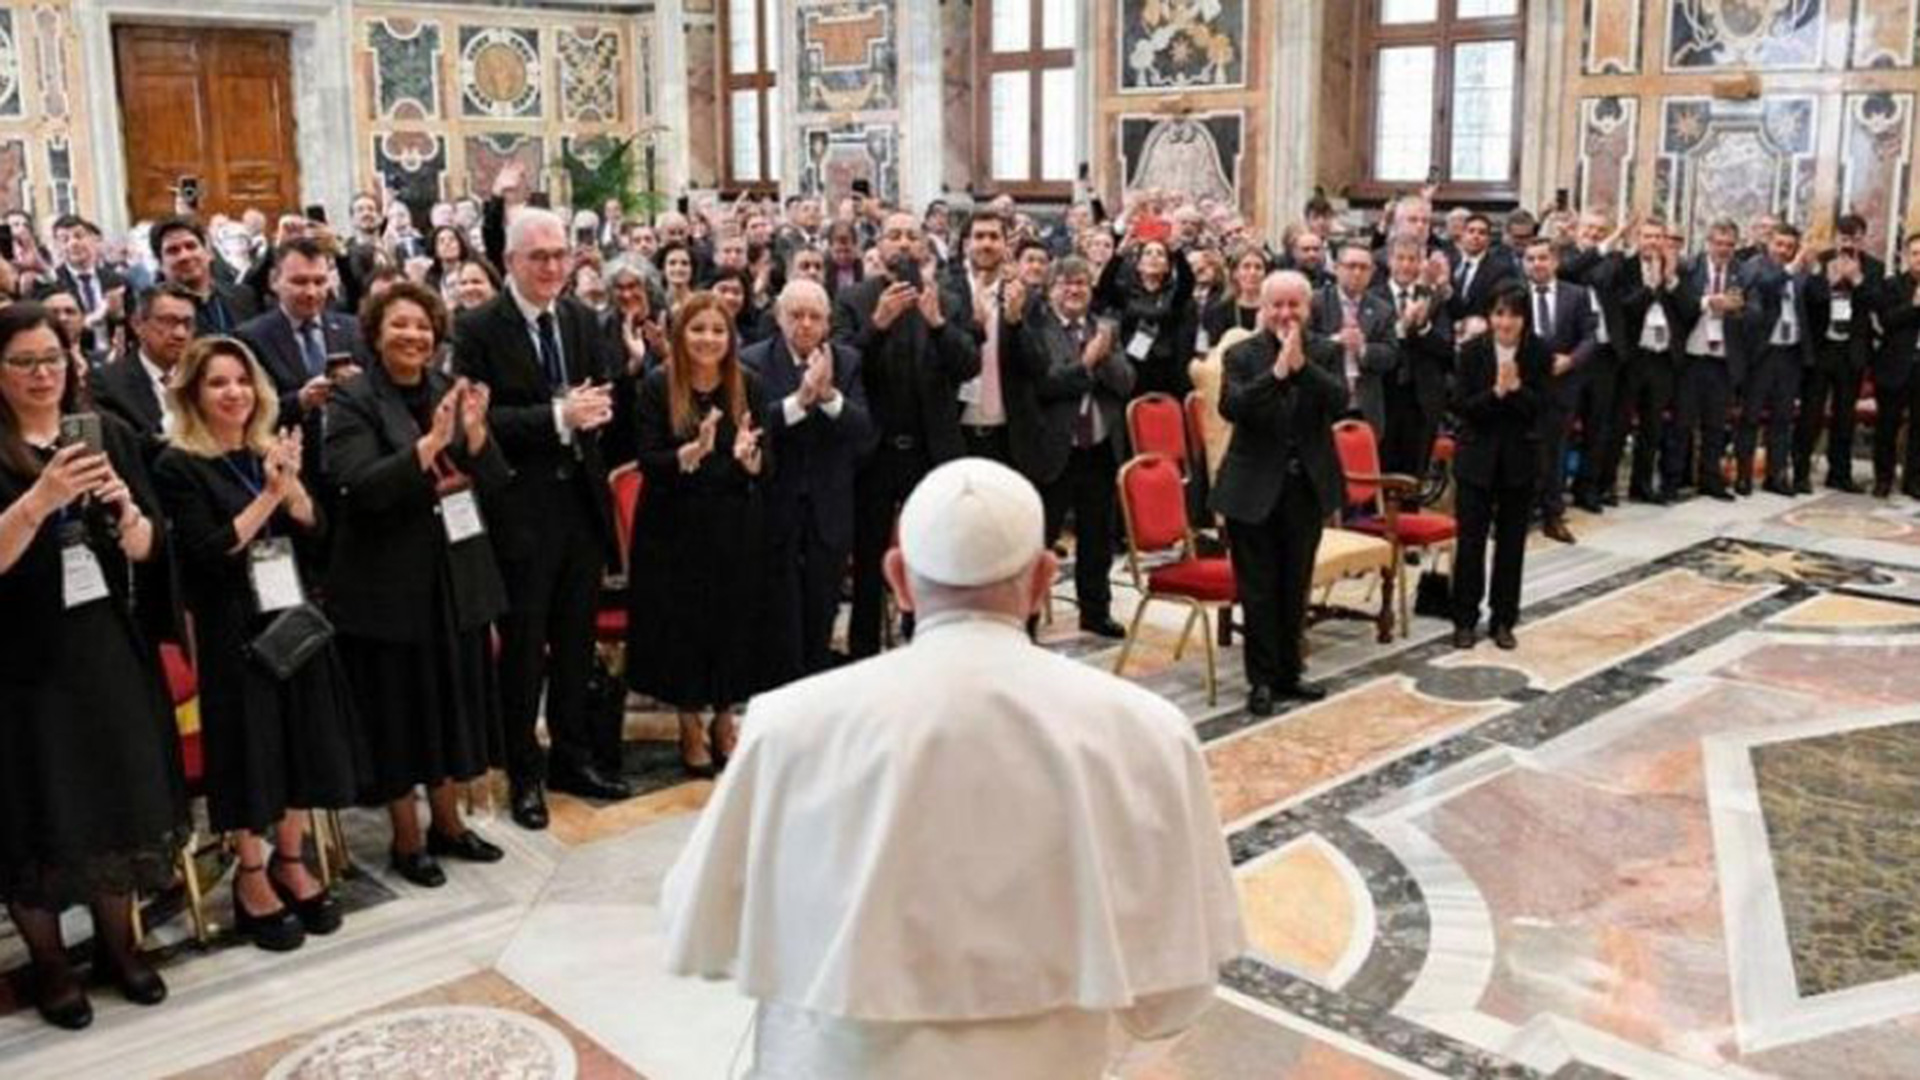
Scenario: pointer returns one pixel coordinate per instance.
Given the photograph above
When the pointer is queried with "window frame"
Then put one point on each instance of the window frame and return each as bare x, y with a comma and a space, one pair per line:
1443, 34
1035, 60
763, 83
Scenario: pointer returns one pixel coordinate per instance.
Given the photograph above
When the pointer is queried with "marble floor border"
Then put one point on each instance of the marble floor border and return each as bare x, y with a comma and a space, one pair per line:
1361, 932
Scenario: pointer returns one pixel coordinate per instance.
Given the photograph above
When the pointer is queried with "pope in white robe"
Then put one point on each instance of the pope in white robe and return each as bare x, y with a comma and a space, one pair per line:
966, 858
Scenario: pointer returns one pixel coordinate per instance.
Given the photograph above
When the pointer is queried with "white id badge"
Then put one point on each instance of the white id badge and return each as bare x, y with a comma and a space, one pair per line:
1140, 346
1716, 330
460, 512
1202, 342
81, 579
275, 575
1842, 308
1653, 334
969, 393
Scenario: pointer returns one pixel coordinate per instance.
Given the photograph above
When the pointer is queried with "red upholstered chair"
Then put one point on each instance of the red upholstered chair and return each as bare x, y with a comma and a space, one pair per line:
610, 623
1156, 424
1373, 501
183, 687
1153, 504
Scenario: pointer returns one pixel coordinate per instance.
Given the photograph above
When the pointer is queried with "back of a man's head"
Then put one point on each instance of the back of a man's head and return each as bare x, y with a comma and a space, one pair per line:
972, 539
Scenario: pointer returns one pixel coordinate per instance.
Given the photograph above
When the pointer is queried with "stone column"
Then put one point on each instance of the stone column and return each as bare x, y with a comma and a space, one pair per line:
922, 124
670, 101
1298, 29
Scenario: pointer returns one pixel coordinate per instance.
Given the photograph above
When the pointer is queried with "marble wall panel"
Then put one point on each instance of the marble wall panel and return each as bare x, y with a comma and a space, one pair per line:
487, 153
412, 164
1771, 35
1611, 32
835, 155
1198, 153
1604, 174
1181, 46
16, 175
1735, 159
703, 107
406, 68
956, 92
589, 74
501, 72
12, 100
1876, 164
50, 59
848, 57
60, 175
1885, 33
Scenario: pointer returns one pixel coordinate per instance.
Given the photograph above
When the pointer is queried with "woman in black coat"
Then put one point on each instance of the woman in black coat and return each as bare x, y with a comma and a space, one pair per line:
1149, 288
1500, 382
233, 493
92, 802
1238, 305
415, 586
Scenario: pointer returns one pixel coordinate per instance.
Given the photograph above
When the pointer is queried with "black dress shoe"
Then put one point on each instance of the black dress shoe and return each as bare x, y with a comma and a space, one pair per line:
1666, 497
467, 847
1911, 491
1743, 487
1103, 626
1299, 691
1260, 701
418, 867
61, 1001
1502, 637
1803, 486
278, 931
1845, 484
1883, 489
319, 914
1610, 498
590, 783
1777, 487
135, 979
1464, 637
1591, 504
527, 804
1555, 528
1717, 492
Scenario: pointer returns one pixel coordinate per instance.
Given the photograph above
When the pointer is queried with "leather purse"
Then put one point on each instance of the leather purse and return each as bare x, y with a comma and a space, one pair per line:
290, 640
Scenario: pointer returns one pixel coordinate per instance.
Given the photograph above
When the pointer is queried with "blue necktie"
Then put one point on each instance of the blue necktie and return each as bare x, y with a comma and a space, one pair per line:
550, 360
312, 349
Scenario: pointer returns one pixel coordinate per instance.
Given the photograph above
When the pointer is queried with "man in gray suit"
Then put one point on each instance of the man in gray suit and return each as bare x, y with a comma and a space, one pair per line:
1362, 324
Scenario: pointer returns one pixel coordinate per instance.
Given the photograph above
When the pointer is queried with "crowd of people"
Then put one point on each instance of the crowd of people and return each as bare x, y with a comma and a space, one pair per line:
365, 478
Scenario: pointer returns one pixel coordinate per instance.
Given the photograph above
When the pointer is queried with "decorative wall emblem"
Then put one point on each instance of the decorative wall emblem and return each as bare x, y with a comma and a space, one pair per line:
836, 156
1885, 33
412, 165
1182, 44
1734, 160
1778, 35
487, 153
60, 175
1197, 154
500, 72
1603, 178
1876, 164
846, 59
50, 52
406, 68
589, 74
1612, 30
10, 103
16, 176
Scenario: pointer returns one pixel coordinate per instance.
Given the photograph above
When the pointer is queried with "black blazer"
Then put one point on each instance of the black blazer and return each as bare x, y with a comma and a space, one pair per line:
1867, 300
1900, 317
390, 547
1037, 440
1765, 283
272, 340
122, 388
1497, 441
1111, 385
1426, 352
911, 360
235, 302
492, 345
816, 457
1275, 420
1477, 299
1167, 313
1635, 297
1378, 357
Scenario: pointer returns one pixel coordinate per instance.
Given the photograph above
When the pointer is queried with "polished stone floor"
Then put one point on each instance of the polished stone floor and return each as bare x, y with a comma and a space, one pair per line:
1675, 834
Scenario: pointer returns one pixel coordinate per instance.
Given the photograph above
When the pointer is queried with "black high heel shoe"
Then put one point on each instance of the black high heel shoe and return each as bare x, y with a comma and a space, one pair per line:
319, 914
703, 770
61, 1002
133, 977
277, 931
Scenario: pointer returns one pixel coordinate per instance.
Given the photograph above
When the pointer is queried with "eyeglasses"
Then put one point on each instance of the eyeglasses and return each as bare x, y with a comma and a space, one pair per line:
171, 322
26, 364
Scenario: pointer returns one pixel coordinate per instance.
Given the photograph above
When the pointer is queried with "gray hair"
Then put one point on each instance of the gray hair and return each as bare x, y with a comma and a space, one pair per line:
1286, 279
526, 221
801, 290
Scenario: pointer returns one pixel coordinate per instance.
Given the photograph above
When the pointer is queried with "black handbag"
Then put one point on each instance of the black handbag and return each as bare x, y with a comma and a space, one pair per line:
1433, 595
290, 640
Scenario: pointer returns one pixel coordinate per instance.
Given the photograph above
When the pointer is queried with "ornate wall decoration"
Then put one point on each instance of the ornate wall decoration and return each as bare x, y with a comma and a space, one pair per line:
16, 176
11, 102
834, 156
1776, 35
589, 74
1603, 174
1612, 36
406, 68
50, 55
1734, 160
412, 165
703, 108
956, 93
1885, 33
847, 57
1182, 44
1876, 164
66, 199
500, 72
487, 153
1199, 154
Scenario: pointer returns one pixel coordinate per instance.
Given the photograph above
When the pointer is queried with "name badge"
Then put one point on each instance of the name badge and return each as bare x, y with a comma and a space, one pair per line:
1842, 308
81, 579
1202, 341
1599, 319
969, 393
460, 512
275, 575
1140, 346
1654, 333
1716, 330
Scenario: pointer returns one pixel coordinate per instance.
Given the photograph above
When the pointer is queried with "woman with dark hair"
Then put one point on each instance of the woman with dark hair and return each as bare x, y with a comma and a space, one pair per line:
1149, 288
1238, 304
1501, 377
275, 748
450, 248
474, 284
676, 270
735, 290
92, 805
695, 589
415, 586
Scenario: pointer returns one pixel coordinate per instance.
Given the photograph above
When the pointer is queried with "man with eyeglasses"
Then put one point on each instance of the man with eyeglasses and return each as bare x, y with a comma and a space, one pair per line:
134, 387
218, 308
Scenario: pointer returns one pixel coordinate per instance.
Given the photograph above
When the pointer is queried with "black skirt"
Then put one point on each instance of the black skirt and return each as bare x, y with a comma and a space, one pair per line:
272, 746
696, 589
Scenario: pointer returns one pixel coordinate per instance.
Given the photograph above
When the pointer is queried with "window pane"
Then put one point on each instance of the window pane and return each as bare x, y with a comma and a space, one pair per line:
773, 135
1012, 25
1393, 12
745, 108
1403, 107
1486, 9
1012, 126
1483, 110
1062, 30
1059, 107
743, 37
773, 35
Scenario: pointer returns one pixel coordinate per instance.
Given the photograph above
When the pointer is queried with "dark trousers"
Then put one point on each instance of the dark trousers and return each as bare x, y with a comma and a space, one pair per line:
879, 488
1086, 490
1273, 563
1898, 405
1773, 380
1408, 444
1645, 392
988, 442
1833, 382
1556, 421
1501, 511
546, 641
1595, 408
803, 596
1706, 393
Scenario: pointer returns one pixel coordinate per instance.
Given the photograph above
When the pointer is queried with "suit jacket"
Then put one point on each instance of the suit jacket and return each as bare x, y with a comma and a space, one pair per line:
1425, 354
272, 339
1900, 317
1765, 283
912, 371
123, 389
1862, 336
816, 457
492, 344
1477, 297
1635, 297
1276, 421
1028, 355
1070, 382
1571, 333
1378, 357
224, 310
1497, 441
389, 540
106, 279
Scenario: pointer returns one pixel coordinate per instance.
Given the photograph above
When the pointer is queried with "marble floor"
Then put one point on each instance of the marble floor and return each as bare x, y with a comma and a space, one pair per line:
1675, 834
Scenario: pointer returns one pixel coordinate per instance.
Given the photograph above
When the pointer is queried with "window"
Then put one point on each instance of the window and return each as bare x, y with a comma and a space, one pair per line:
1442, 89
750, 93
1026, 121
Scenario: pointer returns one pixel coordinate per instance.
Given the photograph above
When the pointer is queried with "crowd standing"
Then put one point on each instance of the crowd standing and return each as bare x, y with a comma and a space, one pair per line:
364, 476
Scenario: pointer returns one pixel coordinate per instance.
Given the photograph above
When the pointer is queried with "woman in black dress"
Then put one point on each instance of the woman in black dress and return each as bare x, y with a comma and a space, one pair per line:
695, 585
233, 495
415, 586
92, 804
1238, 305
1502, 376
1149, 288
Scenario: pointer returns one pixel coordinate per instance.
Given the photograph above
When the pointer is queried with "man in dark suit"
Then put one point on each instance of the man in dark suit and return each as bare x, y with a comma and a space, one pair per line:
1714, 354
1562, 318
64, 307
1843, 297
1362, 324
1416, 390
917, 346
1591, 261
1478, 270
818, 436
1097, 383
1279, 480
133, 387
1001, 408
101, 290
553, 524
1780, 328
1645, 287
1894, 386
181, 246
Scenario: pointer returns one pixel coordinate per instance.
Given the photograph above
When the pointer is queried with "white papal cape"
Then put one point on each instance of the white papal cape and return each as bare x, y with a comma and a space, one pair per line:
957, 860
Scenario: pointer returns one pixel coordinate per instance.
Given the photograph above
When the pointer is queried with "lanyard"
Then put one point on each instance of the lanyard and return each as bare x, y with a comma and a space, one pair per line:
251, 478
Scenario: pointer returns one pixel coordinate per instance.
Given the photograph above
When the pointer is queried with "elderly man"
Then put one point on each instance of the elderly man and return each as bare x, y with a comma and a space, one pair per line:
821, 430
545, 362
984, 853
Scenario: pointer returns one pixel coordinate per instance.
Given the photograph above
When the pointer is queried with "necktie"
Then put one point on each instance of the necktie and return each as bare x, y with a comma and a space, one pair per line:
313, 349
89, 293
550, 361
1718, 286
1542, 312
1083, 418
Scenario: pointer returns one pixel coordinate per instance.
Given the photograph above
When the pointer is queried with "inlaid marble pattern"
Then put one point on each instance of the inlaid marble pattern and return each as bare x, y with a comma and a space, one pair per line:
835, 155
406, 68
1198, 153
1303, 912
1734, 159
12, 103
1885, 33
1181, 46
1876, 160
589, 74
60, 175
50, 60
848, 56
1831, 611
1776, 35
412, 163
501, 73
1604, 171
15, 175
1612, 29
487, 153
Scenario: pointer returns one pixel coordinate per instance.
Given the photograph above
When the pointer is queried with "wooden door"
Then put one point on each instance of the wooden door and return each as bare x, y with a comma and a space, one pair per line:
211, 103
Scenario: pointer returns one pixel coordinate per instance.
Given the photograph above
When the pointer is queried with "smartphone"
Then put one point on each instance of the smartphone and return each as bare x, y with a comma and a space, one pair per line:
6, 242
83, 429
1561, 200
1086, 172
189, 189
336, 361
316, 213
